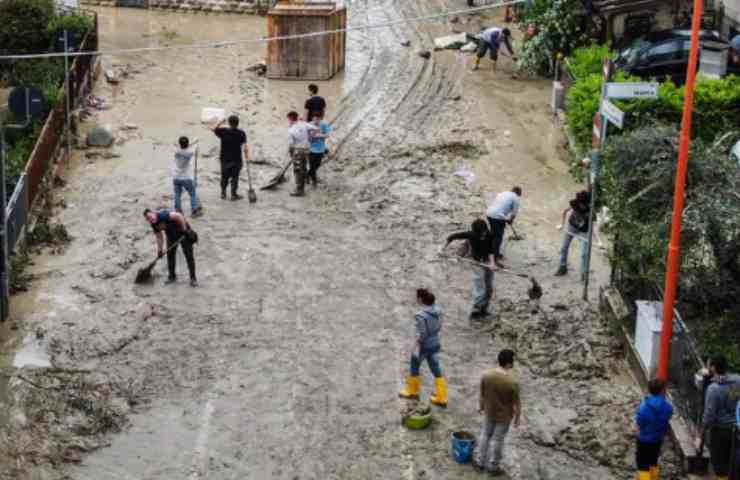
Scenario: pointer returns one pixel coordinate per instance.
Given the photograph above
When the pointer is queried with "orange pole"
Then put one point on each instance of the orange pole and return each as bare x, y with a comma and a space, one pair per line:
674, 248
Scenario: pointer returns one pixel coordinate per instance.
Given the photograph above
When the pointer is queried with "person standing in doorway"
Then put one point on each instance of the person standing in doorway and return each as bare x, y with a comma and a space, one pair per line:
172, 225
183, 175
500, 405
233, 144
578, 221
651, 421
315, 105
299, 134
489, 40
480, 244
720, 415
317, 149
503, 210
427, 347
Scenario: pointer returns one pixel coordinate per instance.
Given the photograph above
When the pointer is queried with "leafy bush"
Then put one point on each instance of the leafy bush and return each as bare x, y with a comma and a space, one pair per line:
74, 24
637, 182
716, 102
23, 26
588, 60
560, 31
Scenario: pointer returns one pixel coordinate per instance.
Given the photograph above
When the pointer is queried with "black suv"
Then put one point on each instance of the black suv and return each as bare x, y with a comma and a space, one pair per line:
663, 55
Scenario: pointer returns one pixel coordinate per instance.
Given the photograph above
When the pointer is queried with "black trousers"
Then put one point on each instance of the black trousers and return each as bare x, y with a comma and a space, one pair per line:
720, 449
498, 227
647, 455
314, 162
230, 173
187, 249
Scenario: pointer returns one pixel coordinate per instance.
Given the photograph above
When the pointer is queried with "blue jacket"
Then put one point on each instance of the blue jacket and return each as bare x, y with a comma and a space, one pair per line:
428, 327
653, 417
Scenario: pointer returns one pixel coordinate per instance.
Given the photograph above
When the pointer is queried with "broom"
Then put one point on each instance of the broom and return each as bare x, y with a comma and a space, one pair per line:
145, 274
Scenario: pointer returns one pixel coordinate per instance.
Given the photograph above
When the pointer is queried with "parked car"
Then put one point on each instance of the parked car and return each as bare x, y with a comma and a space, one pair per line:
665, 55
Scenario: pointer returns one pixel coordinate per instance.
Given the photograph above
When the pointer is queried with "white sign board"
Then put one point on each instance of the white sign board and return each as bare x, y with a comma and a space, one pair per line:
631, 90
612, 113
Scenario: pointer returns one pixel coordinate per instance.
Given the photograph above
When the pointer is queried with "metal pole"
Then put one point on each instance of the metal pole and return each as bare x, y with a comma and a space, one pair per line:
674, 248
4, 287
67, 91
593, 174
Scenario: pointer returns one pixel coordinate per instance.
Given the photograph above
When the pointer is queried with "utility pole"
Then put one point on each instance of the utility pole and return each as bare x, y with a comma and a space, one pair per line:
674, 248
68, 94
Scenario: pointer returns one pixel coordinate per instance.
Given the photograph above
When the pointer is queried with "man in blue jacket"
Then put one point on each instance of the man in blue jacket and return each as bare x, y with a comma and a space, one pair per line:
653, 417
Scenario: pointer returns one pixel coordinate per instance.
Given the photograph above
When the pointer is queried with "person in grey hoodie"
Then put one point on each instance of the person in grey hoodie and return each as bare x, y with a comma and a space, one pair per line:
427, 347
720, 405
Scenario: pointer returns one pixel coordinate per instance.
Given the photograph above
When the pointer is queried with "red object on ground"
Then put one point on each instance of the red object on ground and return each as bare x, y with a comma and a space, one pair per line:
674, 248
596, 135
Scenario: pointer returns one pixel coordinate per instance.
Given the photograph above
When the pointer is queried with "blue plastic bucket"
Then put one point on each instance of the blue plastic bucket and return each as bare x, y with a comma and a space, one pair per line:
462, 446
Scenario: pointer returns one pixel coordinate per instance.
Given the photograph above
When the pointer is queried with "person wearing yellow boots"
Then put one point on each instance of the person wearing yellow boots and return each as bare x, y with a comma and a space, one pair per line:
652, 419
489, 40
427, 347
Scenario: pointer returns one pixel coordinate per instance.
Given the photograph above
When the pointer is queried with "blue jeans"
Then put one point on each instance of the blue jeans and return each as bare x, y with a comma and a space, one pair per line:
482, 289
570, 234
188, 186
432, 358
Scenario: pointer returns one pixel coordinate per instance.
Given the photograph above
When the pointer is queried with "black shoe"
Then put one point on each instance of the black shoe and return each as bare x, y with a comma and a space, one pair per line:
296, 194
170, 280
223, 195
197, 212
475, 316
193, 282
562, 270
236, 196
496, 472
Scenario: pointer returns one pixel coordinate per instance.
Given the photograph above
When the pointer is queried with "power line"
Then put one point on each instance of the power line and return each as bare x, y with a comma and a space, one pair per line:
197, 46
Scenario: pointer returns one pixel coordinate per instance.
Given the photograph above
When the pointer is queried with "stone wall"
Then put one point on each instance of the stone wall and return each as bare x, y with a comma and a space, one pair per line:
207, 6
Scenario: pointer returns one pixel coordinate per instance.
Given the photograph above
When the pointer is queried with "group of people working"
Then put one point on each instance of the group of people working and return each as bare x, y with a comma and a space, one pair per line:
307, 148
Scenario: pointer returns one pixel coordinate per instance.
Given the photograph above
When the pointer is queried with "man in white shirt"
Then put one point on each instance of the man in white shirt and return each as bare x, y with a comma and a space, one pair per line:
299, 142
503, 210
183, 175
490, 39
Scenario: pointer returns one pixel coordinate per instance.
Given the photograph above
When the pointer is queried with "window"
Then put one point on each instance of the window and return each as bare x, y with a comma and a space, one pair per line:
663, 52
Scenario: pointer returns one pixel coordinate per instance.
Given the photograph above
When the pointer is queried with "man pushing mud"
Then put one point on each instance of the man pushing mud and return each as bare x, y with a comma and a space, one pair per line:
172, 225
489, 40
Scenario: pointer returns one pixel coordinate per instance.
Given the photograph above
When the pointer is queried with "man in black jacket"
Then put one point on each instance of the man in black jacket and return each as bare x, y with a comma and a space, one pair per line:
171, 224
480, 242
233, 144
578, 221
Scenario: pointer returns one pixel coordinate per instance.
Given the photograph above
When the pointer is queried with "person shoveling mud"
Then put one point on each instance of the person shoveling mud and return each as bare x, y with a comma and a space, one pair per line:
480, 241
503, 210
489, 40
171, 224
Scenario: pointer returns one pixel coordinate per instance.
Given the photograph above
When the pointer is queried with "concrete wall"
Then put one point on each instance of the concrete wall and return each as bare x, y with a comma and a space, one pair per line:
215, 6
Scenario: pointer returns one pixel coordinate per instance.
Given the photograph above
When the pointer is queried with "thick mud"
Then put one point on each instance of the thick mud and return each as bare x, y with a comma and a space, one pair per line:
286, 361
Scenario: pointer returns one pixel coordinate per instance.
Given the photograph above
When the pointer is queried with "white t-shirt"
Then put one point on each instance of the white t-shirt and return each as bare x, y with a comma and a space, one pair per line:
504, 206
182, 165
298, 134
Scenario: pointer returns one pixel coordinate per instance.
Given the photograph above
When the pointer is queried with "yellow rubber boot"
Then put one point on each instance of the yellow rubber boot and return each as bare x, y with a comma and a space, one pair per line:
440, 397
654, 473
643, 475
477, 63
413, 385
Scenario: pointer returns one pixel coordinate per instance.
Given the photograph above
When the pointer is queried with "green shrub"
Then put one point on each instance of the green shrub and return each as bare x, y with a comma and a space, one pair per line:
23, 28
74, 24
588, 60
46, 74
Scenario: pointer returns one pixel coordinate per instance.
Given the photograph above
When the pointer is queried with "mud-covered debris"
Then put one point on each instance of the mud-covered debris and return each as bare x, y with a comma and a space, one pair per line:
406, 43
129, 126
111, 77
100, 136
450, 42
425, 54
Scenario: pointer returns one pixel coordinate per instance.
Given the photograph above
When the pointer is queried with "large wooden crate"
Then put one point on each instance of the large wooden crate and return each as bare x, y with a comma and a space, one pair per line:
310, 58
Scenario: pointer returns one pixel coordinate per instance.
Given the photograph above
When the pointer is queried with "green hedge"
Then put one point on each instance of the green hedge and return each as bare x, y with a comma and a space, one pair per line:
716, 102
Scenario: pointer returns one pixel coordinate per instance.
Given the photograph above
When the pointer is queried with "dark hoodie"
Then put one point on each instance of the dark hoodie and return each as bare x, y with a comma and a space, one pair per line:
653, 417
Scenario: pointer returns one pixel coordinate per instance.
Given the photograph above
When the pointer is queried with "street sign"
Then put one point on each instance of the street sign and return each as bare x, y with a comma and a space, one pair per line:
26, 102
612, 113
632, 90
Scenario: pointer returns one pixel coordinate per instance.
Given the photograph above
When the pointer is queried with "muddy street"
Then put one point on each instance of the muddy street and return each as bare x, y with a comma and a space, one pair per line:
286, 361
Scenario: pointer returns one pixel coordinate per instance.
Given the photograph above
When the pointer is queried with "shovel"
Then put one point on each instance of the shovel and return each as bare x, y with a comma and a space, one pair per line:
279, 178
251, 194
145, 274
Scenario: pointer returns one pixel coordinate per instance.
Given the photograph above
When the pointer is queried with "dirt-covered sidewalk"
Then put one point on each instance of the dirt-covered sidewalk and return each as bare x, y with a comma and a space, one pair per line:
285, 363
